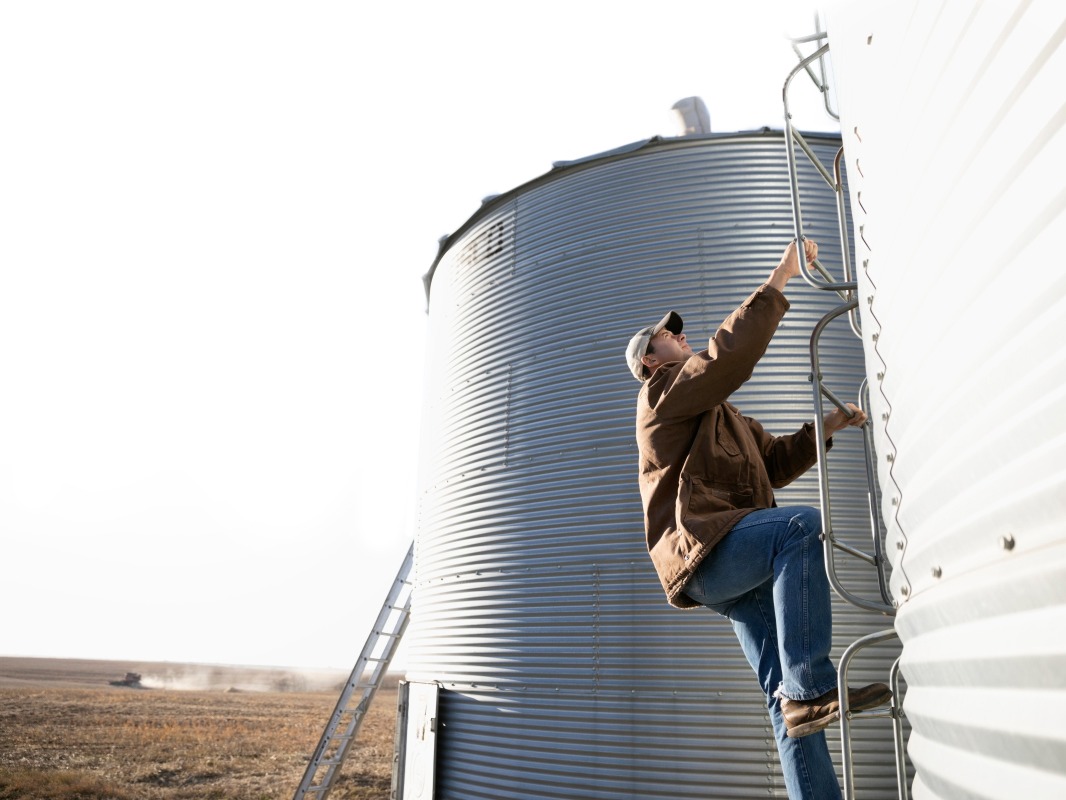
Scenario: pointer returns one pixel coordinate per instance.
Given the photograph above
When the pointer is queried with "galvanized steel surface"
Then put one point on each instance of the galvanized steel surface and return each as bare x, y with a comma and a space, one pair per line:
565, 672
955, 114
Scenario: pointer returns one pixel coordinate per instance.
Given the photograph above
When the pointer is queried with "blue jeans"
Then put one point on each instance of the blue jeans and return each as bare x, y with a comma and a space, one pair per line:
767, 575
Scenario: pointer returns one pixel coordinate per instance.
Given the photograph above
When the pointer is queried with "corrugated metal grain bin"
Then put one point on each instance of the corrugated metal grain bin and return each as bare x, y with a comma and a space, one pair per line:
563, 672
955, 113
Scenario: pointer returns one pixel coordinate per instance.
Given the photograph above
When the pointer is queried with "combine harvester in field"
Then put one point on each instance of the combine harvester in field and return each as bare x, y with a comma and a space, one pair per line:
131, 681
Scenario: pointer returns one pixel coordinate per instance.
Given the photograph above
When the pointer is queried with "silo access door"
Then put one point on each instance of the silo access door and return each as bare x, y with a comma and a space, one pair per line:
416, 742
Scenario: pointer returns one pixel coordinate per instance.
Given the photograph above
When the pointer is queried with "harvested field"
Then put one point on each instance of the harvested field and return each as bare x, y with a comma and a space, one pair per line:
66, 734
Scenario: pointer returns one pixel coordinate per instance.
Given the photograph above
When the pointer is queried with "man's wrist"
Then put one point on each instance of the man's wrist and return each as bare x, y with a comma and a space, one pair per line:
778, 279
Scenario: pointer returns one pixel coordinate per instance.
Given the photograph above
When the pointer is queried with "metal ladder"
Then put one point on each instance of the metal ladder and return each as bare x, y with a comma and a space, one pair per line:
370, 668
846, 290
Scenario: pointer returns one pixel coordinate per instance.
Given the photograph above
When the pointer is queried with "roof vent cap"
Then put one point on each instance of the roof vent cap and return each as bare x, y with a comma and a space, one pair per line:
693, 116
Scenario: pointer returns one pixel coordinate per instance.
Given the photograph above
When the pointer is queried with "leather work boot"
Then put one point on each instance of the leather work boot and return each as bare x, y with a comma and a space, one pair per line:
804, 717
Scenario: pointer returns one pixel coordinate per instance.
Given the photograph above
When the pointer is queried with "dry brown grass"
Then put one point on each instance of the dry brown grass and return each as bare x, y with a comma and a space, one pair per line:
63, 741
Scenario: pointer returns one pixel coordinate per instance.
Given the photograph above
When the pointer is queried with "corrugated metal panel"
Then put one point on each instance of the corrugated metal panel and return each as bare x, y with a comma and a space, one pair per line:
955, 113
565, 672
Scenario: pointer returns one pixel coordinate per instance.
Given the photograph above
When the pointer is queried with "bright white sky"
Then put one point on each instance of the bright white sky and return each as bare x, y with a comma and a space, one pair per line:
213, 217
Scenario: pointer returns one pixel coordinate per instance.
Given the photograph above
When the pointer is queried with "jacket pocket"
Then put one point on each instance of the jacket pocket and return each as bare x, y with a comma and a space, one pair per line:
703, 499
724, 436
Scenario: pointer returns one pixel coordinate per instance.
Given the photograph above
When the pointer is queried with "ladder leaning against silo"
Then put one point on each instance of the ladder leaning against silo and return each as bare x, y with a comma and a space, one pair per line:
846, 289
358, 692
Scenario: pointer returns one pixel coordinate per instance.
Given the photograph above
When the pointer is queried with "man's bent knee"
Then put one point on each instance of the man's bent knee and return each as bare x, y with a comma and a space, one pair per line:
809, 519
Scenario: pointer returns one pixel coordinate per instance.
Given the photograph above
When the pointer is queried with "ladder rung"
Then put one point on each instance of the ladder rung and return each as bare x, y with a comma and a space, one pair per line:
839, 545
330, 762
389, 634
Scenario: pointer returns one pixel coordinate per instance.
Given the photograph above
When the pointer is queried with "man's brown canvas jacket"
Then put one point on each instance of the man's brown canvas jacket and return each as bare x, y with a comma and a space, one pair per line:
703, 465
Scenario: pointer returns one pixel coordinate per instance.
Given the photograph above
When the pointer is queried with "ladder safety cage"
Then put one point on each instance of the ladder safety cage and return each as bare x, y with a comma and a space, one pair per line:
833, 180
370, 668
846, 290
821, 80
895, 712
833, 544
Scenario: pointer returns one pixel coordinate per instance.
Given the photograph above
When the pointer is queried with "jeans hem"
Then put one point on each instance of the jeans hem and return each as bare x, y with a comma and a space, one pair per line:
801, 697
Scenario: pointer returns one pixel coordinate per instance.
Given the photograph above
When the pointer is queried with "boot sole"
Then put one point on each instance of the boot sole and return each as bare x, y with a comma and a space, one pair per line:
807, 728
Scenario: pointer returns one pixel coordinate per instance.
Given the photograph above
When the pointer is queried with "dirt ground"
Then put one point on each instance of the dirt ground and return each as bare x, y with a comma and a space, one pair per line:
235, 733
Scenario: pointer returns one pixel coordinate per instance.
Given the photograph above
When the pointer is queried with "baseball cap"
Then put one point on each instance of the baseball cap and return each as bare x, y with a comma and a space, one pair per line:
638, 345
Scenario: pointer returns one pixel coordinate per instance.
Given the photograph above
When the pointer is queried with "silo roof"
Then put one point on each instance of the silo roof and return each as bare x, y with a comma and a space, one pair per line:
624, 151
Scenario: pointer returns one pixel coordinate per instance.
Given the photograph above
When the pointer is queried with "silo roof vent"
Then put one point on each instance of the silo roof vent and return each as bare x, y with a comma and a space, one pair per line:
692, 115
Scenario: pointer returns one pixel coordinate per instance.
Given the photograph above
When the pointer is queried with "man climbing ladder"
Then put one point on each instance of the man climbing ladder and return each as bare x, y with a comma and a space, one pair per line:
714, 533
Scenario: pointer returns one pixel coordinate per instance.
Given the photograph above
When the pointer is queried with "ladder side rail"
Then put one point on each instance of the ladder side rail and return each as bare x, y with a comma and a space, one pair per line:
897, 729
876, 521
846, 714
845, 243
355, 682
833, 113
828, 536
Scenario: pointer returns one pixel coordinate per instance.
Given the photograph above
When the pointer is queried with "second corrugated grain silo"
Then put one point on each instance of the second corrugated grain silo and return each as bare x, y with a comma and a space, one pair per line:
557, 667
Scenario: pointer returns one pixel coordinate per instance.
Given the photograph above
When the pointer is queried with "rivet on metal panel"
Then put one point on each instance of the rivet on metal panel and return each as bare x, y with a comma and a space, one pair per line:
1007, 542
937, 572
904, 590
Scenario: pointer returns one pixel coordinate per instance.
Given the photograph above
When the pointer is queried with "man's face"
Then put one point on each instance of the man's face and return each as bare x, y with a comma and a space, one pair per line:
668, 347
